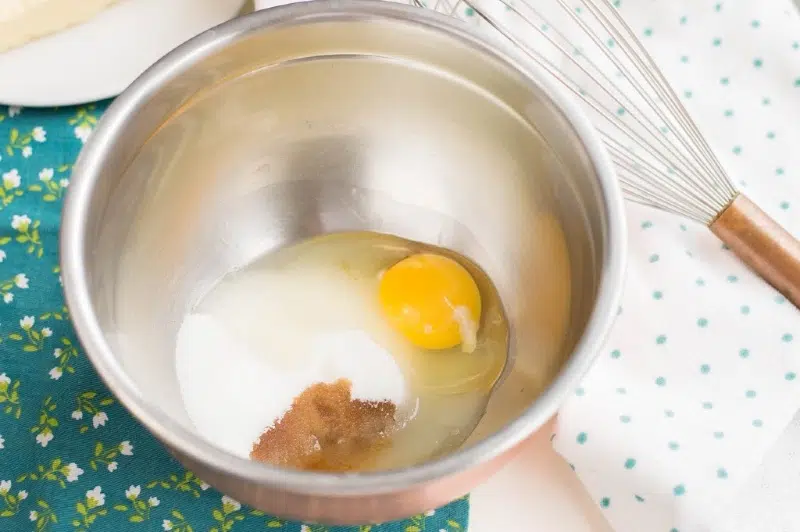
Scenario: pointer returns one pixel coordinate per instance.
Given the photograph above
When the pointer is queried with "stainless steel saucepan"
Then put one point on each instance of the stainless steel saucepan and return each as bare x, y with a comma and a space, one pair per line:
328, 116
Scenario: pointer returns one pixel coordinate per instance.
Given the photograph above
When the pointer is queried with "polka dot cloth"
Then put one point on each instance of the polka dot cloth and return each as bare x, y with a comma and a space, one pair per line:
768, 501
707, 354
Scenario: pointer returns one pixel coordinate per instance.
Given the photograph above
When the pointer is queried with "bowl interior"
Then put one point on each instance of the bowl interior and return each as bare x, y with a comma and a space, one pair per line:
343, 124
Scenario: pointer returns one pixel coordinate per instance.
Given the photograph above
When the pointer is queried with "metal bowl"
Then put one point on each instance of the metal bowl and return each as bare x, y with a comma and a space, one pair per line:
329, 116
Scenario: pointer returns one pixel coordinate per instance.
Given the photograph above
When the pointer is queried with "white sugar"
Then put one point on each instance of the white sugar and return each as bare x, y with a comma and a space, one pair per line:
352, 355
232, 393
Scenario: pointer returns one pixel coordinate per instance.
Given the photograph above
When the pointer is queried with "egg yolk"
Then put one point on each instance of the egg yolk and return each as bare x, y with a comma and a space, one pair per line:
433, 301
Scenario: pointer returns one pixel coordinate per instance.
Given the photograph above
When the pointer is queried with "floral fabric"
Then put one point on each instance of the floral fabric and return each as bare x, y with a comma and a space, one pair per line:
71, 457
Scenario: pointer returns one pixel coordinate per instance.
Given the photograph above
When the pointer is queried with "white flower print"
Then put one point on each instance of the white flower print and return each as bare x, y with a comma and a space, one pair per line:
2, 255
11, 179
73, 472
126, 448
20, 223
2, 442
112, 467
5, 485
22, 495
133, 492
21, 280
304, 528
4, 379
64, 183
43, 438
83, 132
8, 298
166, 524
233, 504
47, 332
27, 322
33, 516
99, 419
204, 486
56, 373
57, 353
39, 134
153, 502
46, 174
430, 513
27, 151
76, 414
14, 110
96, 494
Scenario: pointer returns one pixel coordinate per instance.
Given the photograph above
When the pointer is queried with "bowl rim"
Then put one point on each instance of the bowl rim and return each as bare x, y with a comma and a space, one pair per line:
92, 159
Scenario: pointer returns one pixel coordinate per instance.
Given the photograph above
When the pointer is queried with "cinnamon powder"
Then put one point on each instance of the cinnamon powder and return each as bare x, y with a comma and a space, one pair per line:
327, 430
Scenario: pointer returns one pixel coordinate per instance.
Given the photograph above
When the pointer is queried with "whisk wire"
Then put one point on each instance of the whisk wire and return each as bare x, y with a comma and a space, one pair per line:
675, 191
620, 100
646, 66
643, 64
661, 156
664, 160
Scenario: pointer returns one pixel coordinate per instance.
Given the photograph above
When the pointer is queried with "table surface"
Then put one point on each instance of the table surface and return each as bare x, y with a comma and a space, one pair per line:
537, 491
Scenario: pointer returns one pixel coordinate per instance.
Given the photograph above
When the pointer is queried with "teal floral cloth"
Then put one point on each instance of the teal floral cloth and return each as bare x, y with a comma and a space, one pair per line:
71, 457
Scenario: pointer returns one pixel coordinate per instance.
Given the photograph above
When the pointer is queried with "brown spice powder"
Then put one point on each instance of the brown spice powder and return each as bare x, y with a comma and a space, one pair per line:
327, 430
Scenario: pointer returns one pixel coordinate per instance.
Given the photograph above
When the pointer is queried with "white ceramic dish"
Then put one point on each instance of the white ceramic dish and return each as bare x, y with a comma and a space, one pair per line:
101, 57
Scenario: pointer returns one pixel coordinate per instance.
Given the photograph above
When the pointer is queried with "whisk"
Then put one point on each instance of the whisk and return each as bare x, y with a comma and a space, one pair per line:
661, 157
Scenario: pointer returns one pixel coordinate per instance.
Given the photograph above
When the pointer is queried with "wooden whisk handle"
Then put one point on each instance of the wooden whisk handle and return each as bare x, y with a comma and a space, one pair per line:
761, 243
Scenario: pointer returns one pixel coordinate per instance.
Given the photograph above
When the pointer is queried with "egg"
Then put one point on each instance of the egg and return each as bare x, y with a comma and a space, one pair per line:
433, 301
400, 319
